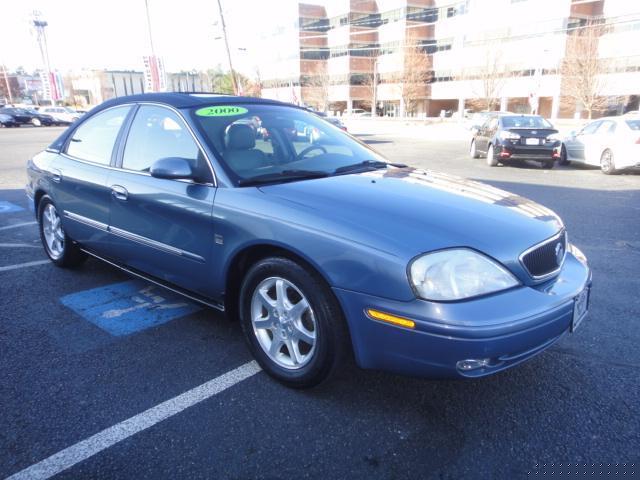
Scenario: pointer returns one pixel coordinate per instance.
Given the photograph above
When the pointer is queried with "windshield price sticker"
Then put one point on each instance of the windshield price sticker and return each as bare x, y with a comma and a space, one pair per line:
221, 111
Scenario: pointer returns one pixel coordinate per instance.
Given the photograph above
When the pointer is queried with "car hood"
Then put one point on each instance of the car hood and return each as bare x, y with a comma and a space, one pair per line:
407, 211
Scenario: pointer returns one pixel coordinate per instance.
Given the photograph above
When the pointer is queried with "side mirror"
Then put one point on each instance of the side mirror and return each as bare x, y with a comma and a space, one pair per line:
171, 168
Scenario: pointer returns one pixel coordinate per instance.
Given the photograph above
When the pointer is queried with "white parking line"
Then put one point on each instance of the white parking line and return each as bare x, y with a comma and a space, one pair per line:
23, 265
106, 438
16, 225
19, 245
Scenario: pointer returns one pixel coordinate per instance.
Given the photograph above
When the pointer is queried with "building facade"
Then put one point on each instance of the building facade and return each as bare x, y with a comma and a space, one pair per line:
506, 54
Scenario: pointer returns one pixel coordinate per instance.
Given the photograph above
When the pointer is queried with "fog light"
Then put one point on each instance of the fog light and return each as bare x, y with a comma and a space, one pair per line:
472, 364
505, 154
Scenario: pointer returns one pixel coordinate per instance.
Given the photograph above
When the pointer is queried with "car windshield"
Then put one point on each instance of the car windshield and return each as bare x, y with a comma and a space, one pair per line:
633, 124
272, 143
524, 121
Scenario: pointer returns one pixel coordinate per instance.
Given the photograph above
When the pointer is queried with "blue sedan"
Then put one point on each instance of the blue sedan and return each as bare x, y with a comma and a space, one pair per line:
321, 249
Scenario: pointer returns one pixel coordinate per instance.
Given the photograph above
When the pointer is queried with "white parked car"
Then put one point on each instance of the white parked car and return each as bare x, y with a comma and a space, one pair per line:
612, 143
61, 114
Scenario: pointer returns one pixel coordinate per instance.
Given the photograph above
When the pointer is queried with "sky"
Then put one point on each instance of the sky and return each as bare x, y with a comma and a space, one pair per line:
113, 34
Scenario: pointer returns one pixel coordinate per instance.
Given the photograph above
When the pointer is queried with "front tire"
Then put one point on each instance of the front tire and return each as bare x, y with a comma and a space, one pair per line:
57, 245
473, 152
292, 322
607, 163
491, 158
563, 157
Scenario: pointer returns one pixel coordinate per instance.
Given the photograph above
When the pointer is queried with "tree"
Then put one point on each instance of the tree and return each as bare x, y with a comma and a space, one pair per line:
487, 79
316, 83
582, 69
415, 73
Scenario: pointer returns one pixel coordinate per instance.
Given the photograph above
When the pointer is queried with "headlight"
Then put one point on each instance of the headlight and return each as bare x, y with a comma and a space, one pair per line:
457, 273
505, 135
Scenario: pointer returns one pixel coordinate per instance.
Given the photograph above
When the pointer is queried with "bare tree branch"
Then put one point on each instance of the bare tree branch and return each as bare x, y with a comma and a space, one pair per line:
583, 69
415, 73
487, 80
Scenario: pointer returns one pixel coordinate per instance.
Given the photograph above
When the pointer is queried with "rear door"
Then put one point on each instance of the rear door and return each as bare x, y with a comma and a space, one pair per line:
79, 177
163, 227
602, 138
484, 133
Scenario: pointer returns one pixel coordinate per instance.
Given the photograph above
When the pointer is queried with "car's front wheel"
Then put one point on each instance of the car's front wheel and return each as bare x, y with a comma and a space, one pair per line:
491, 158
292, 322
473, 152
607, 163
563, 156
58, 246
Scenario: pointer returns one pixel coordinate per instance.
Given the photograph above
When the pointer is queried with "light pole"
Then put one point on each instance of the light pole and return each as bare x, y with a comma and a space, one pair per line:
6, 81
40, 26
226, 44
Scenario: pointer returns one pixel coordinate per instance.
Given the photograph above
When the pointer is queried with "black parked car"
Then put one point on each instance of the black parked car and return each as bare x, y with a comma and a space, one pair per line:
24, 116
503, 138
8, 121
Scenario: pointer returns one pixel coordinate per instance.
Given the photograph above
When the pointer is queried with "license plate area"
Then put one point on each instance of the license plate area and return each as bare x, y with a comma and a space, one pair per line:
580, 308
532, 141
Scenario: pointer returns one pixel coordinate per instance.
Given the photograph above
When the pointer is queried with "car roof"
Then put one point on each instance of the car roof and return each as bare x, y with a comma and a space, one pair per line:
187, 100
177, 100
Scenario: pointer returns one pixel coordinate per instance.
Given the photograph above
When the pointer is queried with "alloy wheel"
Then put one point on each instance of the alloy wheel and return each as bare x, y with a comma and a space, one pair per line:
53, 233
283, 322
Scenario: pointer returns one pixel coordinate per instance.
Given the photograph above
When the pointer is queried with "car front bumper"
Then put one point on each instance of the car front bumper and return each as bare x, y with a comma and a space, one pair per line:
502, 330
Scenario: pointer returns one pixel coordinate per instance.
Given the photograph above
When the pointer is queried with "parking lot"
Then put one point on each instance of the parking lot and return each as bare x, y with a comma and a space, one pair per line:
170, 391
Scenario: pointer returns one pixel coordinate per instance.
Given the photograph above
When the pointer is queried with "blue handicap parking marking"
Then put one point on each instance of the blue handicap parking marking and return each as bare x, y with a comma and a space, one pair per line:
8, 207
128, 307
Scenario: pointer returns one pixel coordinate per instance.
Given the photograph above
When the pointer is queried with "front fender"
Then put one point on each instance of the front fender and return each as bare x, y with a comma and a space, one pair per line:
246, 217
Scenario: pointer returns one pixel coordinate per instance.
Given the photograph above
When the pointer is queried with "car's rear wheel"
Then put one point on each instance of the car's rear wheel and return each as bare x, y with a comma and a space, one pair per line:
607, 163
548, 164
491, 158
473, 152
292, 322
58, 246
36, 122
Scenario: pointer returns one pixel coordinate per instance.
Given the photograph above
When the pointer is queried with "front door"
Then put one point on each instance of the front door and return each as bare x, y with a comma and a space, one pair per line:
163, 227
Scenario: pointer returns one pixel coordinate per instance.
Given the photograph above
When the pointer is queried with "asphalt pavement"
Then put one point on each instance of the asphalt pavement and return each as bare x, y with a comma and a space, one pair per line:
160, 397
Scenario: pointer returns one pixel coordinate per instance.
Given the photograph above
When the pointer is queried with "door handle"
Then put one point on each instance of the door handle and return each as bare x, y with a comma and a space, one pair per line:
56, 175
119, 193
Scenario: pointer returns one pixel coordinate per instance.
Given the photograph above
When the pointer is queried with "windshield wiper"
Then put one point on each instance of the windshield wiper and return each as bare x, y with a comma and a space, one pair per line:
285, 175
366, 165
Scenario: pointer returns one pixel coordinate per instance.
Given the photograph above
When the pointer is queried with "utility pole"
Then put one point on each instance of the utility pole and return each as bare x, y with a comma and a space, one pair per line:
226, 44
6, 80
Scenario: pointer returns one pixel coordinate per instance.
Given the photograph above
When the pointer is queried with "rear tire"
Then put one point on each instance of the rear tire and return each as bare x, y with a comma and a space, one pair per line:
491, 158
283, 306
60, 249
607, 163
36, 122
548, 164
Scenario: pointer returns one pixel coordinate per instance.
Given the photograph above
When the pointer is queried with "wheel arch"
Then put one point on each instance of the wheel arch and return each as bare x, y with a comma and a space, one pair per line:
37, 196
248, 255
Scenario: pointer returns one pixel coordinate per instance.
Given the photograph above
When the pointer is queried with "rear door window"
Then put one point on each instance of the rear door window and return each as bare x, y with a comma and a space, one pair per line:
94, 139
590, 128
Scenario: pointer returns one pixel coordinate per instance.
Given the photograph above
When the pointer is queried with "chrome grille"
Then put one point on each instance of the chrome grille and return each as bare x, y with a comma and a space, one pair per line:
546, 258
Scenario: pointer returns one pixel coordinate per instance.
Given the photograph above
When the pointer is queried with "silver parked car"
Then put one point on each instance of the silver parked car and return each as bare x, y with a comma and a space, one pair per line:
612, 143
